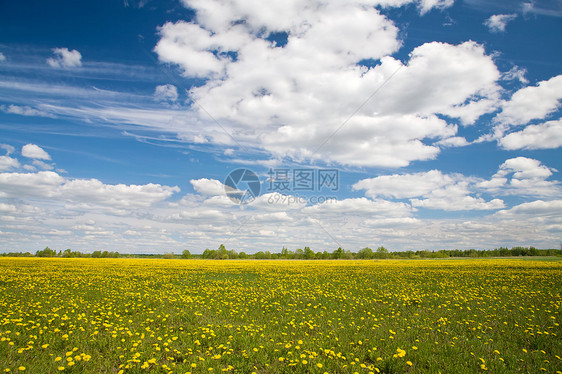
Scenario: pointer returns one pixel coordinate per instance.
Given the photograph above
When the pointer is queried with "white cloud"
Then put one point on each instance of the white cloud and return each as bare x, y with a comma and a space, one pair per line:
534, 102
65, 58
538, 208
439, 191
516, 73
426, 5
7, 208
455, 141
7, 163
94, 192
24, 111
360, 207
8, 148
524, 168
401, 186
290, 99
43, 165
2, 57
273, 218
208, 187
86, 193
498, 22
35, 152
542, 136
528, 178
454, 198
21, 185
166, 92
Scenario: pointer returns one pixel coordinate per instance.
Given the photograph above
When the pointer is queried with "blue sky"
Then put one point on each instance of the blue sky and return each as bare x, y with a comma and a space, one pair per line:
120, 122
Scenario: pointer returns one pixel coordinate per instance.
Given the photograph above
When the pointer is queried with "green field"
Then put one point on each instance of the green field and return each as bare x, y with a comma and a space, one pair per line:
198, 316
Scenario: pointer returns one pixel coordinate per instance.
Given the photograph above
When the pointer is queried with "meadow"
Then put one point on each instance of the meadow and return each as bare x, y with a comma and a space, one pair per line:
293, 316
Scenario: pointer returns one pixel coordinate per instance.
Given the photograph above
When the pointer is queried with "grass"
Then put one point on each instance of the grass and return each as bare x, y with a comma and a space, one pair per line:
137, 316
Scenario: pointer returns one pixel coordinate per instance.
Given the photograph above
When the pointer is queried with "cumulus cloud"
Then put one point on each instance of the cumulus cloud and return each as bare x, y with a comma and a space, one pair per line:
498, 22
93, 191
7, 163
21, 185
2, 57
208, 187
438, 191
534, 208
360, 206
522, 176
533, 102
401, 186
546, 135
83, 192
35, 152
454, 198
43, 165
291, 99
166, 92
65, 58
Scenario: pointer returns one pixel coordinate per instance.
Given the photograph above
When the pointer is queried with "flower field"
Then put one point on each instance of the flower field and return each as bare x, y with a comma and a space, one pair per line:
204, 316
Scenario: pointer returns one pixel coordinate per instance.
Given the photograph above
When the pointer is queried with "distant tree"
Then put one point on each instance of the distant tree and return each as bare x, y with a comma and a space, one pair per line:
243, 255
284, 253
222, 253
299, 253
259, 255
381, 252
308, 253
186, 254
168, 255
365, 253
318, 255
47, 252
209, 253
338, 253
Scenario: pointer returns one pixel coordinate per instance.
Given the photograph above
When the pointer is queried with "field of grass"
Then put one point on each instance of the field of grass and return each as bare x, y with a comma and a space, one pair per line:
180, 316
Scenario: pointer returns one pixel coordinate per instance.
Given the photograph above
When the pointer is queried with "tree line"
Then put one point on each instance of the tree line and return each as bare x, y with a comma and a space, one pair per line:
221, 253
380, 253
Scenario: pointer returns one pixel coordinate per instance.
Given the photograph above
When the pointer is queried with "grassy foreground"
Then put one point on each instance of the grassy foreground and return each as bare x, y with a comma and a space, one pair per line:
405, 316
